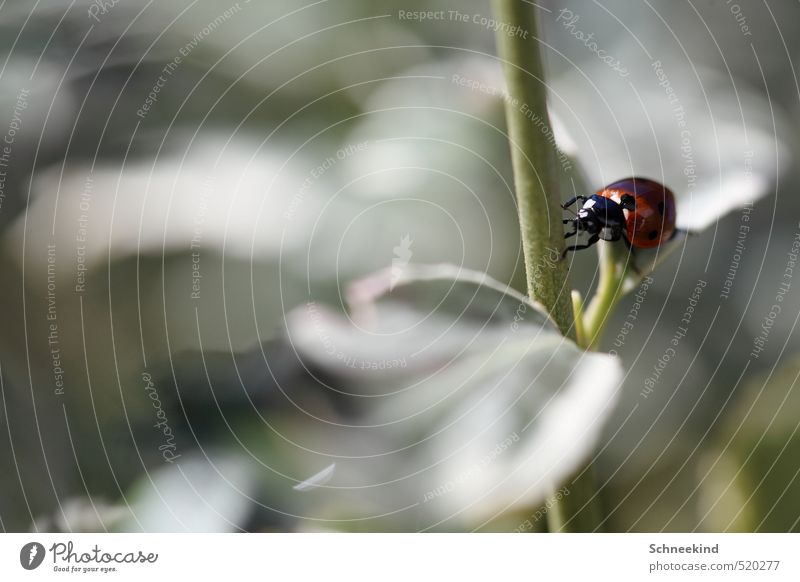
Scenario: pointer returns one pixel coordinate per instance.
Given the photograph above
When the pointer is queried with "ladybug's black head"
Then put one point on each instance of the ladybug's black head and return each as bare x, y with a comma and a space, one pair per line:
628, 202
588, 221
600, 217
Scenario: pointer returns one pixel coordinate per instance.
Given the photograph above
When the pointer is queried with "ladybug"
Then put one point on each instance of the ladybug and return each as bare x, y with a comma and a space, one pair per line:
639, 211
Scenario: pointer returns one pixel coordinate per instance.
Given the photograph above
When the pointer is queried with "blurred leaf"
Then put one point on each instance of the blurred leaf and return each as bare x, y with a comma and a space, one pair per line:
474, 404
749, 479
196, 493
316, 480
201, 198
430, 161
83, 514
717, 146
646, 260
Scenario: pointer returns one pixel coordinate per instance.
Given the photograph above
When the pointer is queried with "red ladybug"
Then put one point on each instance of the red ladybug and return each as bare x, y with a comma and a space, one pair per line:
639, 211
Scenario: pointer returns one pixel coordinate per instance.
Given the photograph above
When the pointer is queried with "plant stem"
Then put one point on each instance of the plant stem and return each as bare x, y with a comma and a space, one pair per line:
555, 518
534, 163
580, 510
577, 310
582, 503
609, 292
538, 200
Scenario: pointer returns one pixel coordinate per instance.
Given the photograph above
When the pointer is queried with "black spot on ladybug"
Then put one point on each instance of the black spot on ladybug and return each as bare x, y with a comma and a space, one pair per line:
661, 208
652, 235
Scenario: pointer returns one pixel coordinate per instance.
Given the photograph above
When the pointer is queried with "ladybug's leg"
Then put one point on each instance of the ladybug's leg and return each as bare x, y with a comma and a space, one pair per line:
592, 240
573, 200
574, 223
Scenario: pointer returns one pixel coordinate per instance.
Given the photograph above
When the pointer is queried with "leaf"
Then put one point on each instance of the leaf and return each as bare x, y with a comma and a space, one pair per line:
83, 514
176, 202
748, 477
430, 314
715, 146
195, 494
431, 163
646, 260
316, 480
490, 411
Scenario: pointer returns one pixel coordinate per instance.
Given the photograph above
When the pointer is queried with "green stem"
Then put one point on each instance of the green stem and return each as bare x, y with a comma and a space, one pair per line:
555, 516
534, 161
577, 309
610, 289
582, 505
538, 200
580, 511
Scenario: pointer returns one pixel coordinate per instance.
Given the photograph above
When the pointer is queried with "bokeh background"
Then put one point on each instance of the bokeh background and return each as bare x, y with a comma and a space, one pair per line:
181, 176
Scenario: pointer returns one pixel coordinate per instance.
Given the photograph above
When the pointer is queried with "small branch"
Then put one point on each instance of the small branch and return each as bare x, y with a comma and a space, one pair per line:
609, 292
534, 162
580, 511
577, 310
554, 517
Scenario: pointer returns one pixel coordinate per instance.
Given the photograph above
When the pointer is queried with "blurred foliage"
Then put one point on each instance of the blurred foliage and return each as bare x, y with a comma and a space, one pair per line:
748, 478
253, 111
